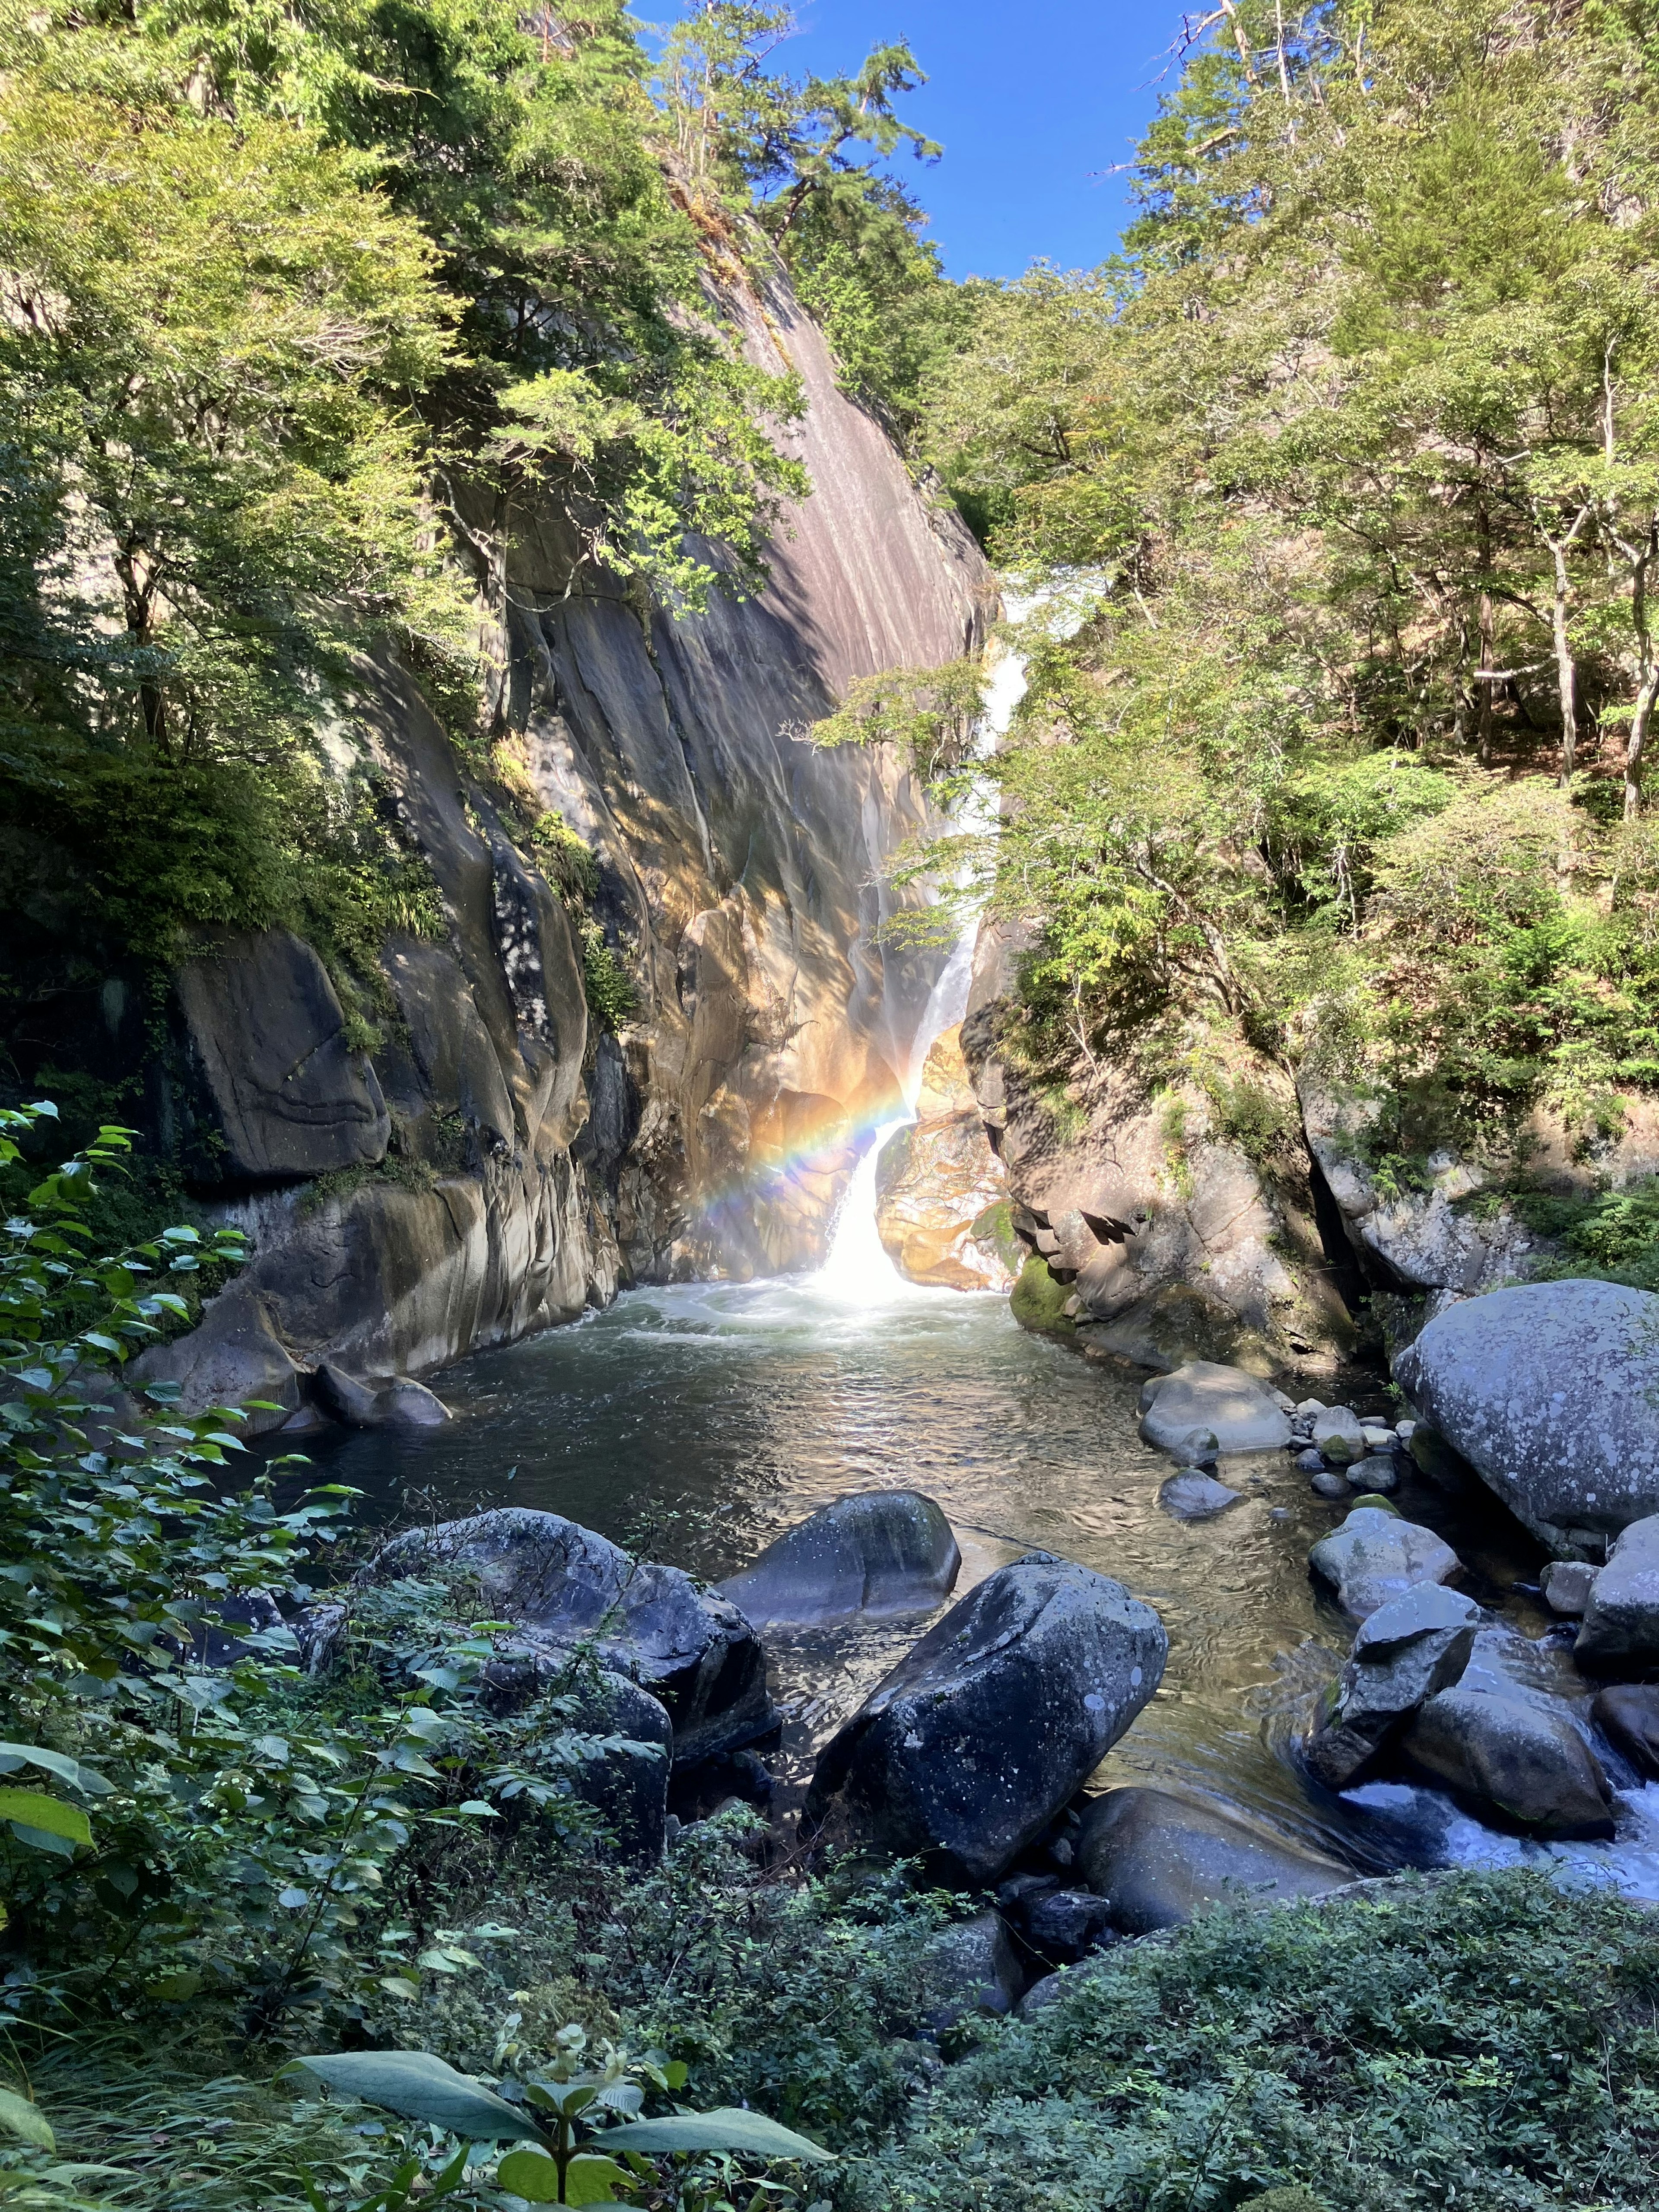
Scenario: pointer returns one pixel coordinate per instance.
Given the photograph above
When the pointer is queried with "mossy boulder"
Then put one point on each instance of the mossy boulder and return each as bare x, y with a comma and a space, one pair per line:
1039, 1302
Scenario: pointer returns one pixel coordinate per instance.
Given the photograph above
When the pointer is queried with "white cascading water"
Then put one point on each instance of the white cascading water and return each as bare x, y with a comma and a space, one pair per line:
857, 1270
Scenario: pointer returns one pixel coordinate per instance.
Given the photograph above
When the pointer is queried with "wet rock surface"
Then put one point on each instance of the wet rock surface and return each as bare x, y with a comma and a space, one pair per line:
563, 1585
1628, 1716
878, 1552
968, 1748
1158, 1858
1375, 1556
1621, 1605
1547, 1390
1238, 1410
1406, 1651
1192, 1495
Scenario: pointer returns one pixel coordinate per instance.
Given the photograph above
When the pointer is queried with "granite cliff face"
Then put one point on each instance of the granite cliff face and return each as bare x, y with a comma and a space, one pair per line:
496, 1162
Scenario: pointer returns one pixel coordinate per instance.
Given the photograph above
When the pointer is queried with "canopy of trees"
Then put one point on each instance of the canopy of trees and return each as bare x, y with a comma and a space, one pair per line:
1342, 485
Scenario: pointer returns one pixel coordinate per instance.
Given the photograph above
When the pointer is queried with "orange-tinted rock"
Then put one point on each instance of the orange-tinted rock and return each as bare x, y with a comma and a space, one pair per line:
936, 1183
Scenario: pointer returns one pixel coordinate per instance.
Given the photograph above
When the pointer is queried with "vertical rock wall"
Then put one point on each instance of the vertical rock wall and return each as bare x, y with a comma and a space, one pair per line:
496, 1162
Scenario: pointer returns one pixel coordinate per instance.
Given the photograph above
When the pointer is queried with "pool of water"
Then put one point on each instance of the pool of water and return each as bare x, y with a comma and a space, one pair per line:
696, 1423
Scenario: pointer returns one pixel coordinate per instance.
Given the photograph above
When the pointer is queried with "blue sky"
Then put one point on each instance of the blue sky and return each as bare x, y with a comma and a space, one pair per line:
1033, 100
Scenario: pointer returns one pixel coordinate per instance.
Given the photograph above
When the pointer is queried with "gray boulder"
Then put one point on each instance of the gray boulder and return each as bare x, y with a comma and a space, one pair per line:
1628, 1716
1406, 1651
1621, 1612
1339, 1436
1376, 1555
1513, 1755
970, 1968
1549, 1390
278, 1093
402, 1403
1159, 1859
1238, 1409
1192, 1495
1567, 1585
965, 1752
879, 1551
562, 1586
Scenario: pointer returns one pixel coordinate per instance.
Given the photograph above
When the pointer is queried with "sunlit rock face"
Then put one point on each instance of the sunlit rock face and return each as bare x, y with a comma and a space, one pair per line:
742, 866
1160, 1234
941, 1192
497, 1161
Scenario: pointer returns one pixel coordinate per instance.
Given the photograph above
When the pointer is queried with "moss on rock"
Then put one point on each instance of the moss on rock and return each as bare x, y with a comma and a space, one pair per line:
1038, 1301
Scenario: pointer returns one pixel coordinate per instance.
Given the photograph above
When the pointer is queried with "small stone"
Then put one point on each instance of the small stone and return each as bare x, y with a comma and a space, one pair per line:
1200, 1447
1338, 1434
1192, 1495
1311, 1463
1405, 1430
1328, 1484
1064, 1923
1567, 1586
1309, 1408
1279, 1513
1379, 1439
1377, 1472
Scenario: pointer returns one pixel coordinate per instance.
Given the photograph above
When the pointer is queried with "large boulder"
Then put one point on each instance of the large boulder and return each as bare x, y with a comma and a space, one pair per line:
1237, 1408
1512, 1738
878, 1552
1159, 1859
1549, 1390
1406, 1651
562, 1587
279, 1090
1512, 1756
1621, 1612
1375, 1556
966, 1751
1628, 1716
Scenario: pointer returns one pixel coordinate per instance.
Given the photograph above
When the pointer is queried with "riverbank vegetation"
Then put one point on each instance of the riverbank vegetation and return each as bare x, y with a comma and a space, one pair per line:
1339, 488
213, 1863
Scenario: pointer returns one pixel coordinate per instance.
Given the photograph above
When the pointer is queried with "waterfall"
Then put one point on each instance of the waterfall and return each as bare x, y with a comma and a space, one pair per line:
856, 1268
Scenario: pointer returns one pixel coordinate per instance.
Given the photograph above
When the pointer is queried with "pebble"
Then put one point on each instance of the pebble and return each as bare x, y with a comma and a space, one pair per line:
1327, 1485
1378, 1440
1404, 1430
1311, 1463
1310, 1409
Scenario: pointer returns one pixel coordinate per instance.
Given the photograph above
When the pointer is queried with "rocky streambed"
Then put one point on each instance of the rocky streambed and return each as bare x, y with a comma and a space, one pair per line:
1350, 1655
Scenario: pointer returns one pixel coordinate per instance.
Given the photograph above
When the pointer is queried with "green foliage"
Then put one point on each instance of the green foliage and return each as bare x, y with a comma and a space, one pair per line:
1482, 2039
1614, 1235
230, 1824
1038, 1301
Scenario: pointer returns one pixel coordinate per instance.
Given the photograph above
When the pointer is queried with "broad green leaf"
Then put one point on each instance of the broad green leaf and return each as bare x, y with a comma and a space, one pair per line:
422, 2087
592, 2180
727, 2128
531, 2174
33, 1808
20, 2119
14, 1755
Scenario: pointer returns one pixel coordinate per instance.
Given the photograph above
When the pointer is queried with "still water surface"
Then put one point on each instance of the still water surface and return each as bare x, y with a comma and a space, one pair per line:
698, 1422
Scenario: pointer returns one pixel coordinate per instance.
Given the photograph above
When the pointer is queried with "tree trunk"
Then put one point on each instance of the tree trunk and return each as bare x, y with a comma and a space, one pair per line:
1566, 674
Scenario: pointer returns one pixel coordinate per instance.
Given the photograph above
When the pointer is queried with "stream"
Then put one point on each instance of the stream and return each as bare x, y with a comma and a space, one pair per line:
698, 1422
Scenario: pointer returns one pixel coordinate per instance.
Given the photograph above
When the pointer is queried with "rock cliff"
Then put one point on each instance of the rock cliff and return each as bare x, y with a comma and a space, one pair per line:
499, 1159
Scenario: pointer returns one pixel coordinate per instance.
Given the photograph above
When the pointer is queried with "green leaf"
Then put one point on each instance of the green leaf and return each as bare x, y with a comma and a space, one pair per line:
33, 1808
14, 1755
592, 2180
727, 2128
20, 2119
531, 2174
422, 2087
